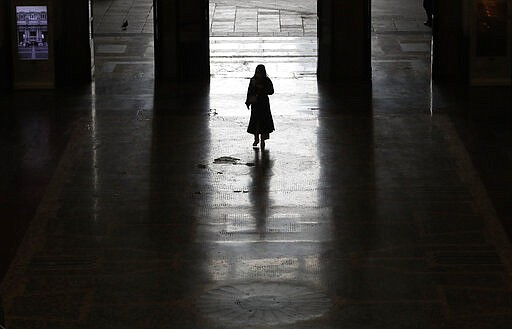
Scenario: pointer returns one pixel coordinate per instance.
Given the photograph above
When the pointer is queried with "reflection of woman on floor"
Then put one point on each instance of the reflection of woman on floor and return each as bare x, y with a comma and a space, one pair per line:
261, 175
261, 123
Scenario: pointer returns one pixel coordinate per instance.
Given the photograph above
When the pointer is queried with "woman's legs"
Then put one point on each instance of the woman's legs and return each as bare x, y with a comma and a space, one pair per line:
263, 138
260, 138
256, 140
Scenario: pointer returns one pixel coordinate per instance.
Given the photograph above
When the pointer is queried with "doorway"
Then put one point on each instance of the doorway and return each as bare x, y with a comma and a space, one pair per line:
122, 33
401, 54
281, 34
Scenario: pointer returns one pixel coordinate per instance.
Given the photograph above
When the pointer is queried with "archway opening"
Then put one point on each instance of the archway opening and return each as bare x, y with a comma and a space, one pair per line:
280, 34
123, 37
401, 52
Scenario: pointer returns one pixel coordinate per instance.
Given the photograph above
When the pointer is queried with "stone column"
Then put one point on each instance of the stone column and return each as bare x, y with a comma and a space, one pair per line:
181, 40
451, 42
5, 46
344, 53
72, 42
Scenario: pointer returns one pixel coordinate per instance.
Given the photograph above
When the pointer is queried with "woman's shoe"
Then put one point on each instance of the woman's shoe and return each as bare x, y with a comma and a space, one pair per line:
256, 141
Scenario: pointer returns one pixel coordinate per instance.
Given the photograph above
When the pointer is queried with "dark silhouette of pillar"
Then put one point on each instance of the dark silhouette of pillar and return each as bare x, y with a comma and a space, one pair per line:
181, 40
451, 42
72, 46
344, 47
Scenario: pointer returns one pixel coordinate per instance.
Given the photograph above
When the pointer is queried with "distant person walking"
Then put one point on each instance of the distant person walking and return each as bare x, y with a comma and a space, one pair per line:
261, 123
429, 10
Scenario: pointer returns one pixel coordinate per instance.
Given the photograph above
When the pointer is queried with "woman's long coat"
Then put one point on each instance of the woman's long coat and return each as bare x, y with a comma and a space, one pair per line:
261, 121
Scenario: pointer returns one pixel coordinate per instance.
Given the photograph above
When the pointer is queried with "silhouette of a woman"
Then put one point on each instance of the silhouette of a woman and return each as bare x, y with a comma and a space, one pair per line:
261, 123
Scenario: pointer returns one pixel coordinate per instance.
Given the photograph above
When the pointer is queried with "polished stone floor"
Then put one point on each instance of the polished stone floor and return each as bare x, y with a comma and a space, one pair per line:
382, 207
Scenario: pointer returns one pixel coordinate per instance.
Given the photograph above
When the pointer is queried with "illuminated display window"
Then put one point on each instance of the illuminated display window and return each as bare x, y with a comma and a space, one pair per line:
491, 33
32, 32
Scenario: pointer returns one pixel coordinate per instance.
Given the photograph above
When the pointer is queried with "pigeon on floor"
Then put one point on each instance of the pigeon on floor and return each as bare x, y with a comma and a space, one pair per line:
125, 25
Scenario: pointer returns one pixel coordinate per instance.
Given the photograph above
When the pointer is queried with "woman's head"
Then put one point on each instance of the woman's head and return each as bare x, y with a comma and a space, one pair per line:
260, 71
